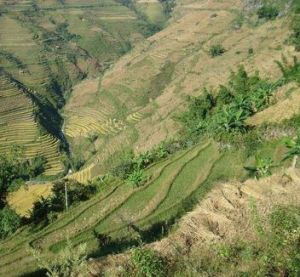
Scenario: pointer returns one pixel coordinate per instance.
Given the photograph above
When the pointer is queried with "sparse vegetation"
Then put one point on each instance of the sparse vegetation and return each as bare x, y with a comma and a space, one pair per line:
273, 251
70, 262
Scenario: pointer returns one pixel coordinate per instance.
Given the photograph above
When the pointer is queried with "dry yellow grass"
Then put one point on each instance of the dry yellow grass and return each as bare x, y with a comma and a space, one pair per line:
185, 42
219, 217
23, 199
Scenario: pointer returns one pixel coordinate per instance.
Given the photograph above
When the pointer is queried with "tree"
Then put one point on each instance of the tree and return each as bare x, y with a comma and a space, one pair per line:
10, 221
293, 146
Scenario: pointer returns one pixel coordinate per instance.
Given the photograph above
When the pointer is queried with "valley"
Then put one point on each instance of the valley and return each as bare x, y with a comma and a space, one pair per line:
132, 114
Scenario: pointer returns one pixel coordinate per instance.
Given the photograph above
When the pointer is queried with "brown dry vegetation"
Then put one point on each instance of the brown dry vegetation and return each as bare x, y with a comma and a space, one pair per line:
225, 215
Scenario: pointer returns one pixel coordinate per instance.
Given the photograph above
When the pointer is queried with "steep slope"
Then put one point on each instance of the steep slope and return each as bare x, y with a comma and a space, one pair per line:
152, 80
225, 215
158, 202
46, 47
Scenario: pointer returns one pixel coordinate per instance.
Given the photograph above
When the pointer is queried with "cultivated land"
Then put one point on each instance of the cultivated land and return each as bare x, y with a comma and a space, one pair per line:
114, 104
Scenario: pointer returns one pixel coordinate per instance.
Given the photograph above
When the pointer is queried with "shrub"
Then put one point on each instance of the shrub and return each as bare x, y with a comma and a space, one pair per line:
10, 221
70, 262
148, 263
216, 50
268, 12
137, 177
223, 113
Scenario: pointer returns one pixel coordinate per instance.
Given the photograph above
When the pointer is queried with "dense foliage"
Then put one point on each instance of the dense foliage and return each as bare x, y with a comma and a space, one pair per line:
131, 168
268, 12
10, 221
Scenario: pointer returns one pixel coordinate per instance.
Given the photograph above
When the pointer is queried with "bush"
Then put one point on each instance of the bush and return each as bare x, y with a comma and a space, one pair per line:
216, 50
70, 262
223, 113
268, 12
148, 263
10, 221
137, 177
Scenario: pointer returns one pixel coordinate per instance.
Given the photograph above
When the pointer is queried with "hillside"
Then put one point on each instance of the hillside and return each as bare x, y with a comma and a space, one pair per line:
146, 87
224, 217
47, 47
159, 122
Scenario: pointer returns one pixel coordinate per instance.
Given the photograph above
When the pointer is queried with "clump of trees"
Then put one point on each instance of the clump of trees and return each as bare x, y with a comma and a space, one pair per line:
10, 221
15, 169
224, 112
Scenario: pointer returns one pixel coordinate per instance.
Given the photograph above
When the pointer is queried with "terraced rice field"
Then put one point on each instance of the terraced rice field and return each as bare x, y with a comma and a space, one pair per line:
18, 127
91, 121
186, 175
84, 175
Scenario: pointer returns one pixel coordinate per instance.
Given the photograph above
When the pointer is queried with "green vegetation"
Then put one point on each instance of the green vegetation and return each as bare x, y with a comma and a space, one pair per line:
293, 146
295, 25
148, 263
262, 167
64, 195
268, 12
290, 71
10, 221
15, 169
223, 113
70, 262
216, 50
